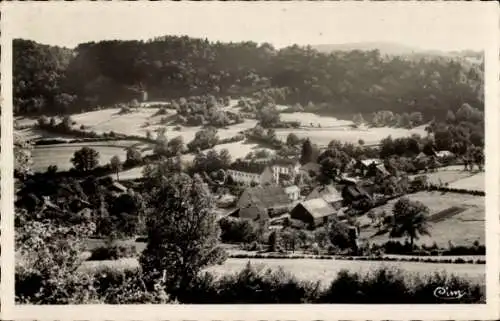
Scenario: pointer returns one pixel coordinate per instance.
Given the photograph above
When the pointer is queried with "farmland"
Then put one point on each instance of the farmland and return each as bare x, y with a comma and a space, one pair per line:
465, 225
61, 154
323, 271
475, 182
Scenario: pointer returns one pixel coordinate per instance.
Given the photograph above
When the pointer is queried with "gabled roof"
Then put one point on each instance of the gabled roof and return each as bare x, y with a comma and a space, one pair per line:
251, 212
254, 168
381, 168
284, 162
356, 191
368, 162
444, 153
318, 207
264, 196
311, 166
292, 189
328, 193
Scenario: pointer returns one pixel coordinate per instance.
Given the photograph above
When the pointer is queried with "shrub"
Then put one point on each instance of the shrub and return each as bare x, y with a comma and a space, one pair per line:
113, 252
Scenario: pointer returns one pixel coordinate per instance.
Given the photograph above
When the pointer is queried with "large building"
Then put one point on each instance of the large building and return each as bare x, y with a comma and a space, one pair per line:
259, 174
313, 212
271, 198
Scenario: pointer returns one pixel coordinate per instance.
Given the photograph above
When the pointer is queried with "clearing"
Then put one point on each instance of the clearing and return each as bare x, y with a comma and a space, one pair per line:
475, 182
61, 154
371, 136
460, 219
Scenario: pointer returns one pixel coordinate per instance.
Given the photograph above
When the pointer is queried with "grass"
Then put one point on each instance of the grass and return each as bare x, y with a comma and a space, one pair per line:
463, 228
371, 136
475, 182
314, 270
61, 154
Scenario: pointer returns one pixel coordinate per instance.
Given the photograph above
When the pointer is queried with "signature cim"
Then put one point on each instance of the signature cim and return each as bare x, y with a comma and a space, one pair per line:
443, 292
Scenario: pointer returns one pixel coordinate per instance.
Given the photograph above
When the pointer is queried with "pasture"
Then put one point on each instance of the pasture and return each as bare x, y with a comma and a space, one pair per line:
475, 182
314, 270
460, 218
61, 154
371, 136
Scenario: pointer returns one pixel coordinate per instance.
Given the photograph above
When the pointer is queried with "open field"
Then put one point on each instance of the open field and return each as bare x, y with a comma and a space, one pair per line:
61, 154
475, 182
465, 225
371, 136
324, 271
313, 120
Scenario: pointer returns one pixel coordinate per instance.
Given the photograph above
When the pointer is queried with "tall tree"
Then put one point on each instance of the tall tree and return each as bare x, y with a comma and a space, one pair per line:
85, 159
116, 165
410, 219
306, 155
183, 235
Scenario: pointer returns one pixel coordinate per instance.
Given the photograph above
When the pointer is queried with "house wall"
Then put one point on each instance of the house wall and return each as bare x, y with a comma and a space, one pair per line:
244, 177
300, 213
293, 196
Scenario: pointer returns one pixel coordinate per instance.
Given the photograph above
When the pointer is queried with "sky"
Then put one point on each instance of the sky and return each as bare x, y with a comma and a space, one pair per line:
423, 25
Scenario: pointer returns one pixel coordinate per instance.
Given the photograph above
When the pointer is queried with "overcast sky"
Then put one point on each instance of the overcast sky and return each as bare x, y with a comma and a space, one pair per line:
425, 25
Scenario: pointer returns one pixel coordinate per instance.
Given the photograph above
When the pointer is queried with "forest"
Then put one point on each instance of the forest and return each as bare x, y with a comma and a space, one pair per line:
54, 80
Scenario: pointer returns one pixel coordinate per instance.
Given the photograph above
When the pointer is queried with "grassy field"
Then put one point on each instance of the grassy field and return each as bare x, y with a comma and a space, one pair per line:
61, 154
310, 119
322, 136
315, 270
475, 182
463, 228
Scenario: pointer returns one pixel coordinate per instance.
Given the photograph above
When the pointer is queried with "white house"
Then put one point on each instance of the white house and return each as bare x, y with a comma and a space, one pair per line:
286, 167
293, 192
259, 175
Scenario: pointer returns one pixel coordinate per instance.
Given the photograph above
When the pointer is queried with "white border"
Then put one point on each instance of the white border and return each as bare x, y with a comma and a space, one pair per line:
257, 312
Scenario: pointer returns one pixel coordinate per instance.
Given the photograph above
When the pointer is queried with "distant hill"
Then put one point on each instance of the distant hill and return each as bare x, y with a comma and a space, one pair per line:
393, 49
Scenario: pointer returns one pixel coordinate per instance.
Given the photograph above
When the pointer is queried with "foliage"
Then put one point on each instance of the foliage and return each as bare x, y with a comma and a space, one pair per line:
85, 159
182, 231
235, 230
410, 218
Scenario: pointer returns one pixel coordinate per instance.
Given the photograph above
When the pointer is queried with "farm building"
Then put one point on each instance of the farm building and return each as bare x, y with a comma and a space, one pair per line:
374, 170
271, 198
293, 192
313, 212
259, 174
363, 166
311, 167
252, 212
354, 192
327, 193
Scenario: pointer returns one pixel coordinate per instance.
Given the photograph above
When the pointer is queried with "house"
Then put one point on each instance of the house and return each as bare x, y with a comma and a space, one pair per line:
293, 192
311, 167
327, 193
354, 192
272, 198
252, 212
314, 212
375, 170
283, 167
255, 173
363, 166
444, 154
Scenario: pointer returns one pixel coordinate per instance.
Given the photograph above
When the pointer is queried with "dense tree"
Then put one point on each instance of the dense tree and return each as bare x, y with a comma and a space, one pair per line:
182, 232
204, 139
365, 82
292, 139
133, 155
116, 165
306, 154
85, 159
410, 219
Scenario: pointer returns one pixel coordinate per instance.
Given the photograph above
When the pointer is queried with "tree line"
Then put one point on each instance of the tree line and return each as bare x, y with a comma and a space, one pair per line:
58, 80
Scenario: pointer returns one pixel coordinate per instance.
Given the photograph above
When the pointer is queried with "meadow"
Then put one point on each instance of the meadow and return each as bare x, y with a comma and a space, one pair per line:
465, 225
475, 182
61, 154
371, 136
323, 271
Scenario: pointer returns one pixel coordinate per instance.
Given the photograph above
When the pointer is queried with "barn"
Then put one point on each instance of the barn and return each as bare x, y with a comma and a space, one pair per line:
313, 212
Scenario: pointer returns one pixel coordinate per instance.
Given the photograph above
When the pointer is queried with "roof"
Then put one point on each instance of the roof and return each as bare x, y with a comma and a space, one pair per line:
292, 189
255, 168
368, 162
356, 191
381, 168
284, 162
328, 193
443, 153
421, 155
119, 186
264, 196
318, 207
311, 166
251, 212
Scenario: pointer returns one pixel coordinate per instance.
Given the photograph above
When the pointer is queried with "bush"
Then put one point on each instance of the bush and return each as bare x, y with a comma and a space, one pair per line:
113, 252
